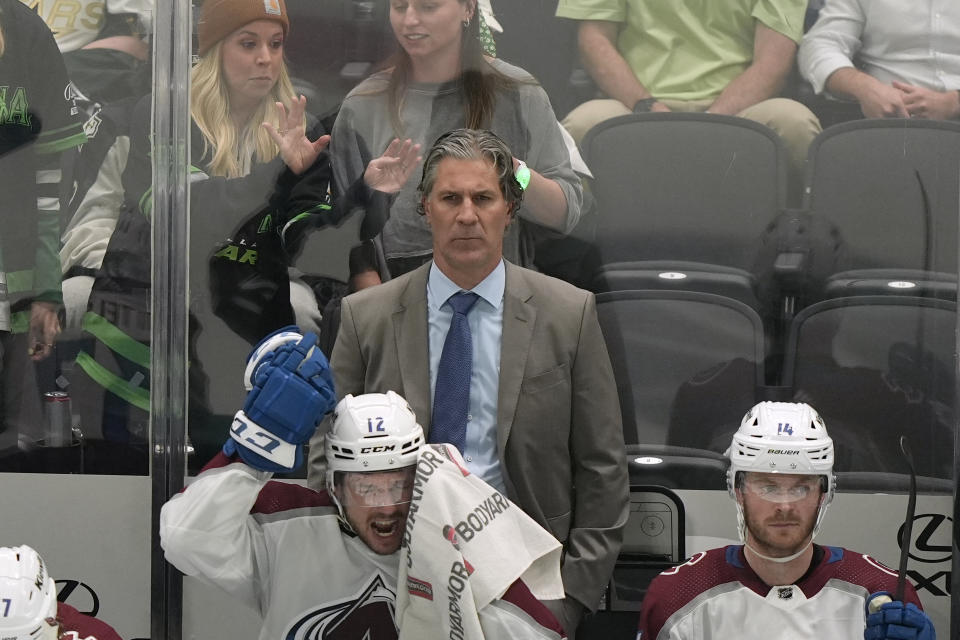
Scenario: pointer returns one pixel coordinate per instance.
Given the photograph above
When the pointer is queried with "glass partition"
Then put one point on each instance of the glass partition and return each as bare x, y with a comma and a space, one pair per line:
74, 323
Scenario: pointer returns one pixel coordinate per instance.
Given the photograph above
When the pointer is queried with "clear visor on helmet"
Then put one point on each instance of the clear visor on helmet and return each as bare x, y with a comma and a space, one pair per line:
781, 488
375, 488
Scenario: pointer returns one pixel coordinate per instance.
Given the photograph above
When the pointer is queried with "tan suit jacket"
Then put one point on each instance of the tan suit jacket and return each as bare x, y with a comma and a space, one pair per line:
559, 432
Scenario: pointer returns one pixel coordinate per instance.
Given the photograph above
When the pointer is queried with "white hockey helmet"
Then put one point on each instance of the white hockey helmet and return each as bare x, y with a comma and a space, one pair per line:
28, 596
372, 432
782, 437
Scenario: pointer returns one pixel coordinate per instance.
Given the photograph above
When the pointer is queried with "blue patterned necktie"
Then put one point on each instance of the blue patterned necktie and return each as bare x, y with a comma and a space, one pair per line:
451, 394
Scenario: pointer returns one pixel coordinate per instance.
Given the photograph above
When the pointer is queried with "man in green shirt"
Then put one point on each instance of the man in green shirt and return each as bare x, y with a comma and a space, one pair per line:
729, 57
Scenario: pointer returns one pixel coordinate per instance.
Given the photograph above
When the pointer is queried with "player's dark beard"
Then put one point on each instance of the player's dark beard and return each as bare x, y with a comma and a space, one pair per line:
765, 544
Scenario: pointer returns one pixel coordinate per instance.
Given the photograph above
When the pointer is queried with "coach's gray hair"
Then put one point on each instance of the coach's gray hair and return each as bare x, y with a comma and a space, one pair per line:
472, 144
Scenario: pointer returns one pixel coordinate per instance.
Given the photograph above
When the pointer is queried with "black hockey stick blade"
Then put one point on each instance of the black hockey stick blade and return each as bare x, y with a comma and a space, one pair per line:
908, 523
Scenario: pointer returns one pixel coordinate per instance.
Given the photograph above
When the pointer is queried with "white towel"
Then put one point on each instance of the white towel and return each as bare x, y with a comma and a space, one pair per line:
465, 544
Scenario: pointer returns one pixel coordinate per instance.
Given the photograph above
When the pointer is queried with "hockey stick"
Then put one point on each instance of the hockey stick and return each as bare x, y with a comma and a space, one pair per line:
908, 524
879, 601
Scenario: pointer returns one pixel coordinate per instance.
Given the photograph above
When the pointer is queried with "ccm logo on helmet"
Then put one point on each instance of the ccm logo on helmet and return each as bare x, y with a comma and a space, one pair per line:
784, 452
379, 449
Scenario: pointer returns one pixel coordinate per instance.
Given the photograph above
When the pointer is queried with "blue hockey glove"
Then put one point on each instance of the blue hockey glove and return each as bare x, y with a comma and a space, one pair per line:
290, 391
895, 620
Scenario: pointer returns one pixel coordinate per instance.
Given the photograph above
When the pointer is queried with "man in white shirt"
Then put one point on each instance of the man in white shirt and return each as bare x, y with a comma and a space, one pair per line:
897, 60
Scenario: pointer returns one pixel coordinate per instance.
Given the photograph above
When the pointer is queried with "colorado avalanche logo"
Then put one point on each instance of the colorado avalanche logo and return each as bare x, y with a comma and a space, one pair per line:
368, 615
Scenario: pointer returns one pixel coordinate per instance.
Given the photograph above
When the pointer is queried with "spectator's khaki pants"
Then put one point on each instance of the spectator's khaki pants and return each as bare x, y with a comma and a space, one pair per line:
796, 124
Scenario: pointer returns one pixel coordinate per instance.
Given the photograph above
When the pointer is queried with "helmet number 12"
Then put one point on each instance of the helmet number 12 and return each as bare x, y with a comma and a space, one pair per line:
374, 425
784, 428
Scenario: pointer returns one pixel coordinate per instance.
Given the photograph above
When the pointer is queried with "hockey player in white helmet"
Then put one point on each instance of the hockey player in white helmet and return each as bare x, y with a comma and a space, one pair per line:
782, 454
28, 603
778, 584
372, 453
314, 564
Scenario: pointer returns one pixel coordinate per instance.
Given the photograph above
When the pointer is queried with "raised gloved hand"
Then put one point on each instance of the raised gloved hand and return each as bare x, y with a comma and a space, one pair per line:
290, 391
894, 620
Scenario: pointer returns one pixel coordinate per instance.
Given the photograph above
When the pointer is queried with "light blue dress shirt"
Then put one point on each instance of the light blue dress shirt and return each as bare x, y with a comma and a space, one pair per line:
486, 327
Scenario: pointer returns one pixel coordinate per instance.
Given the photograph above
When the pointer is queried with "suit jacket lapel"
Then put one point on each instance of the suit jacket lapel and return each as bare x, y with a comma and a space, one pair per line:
410, 336
519, 316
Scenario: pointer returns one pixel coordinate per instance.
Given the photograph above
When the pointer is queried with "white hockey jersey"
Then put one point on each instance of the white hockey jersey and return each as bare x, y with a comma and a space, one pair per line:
280, 548
717, 596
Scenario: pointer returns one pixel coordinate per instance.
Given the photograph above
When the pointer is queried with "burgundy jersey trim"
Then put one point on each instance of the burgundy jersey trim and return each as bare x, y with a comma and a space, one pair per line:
519, 595
283, 496
275, 496
221, 460
85, 626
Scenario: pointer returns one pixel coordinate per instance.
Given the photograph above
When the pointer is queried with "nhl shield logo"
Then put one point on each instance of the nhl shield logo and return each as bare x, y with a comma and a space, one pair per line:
272, 7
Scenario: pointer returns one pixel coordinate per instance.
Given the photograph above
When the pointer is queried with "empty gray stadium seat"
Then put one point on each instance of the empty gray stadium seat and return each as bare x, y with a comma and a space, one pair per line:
876, 368
891, 189
684, 188
687, 365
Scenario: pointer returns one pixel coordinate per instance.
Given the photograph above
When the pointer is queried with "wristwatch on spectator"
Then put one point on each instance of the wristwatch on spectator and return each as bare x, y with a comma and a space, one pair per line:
643, 105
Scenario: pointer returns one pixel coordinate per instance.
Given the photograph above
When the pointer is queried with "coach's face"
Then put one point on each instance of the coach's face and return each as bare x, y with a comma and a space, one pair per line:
468, 216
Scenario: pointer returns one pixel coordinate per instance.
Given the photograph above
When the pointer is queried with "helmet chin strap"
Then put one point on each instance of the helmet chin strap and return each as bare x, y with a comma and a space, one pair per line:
780, 560
341, 512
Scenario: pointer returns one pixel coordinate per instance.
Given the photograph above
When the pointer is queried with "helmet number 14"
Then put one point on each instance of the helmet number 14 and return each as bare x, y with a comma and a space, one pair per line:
784, 428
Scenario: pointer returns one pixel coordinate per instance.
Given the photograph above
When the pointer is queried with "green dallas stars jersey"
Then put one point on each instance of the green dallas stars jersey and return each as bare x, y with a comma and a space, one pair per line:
38, 121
